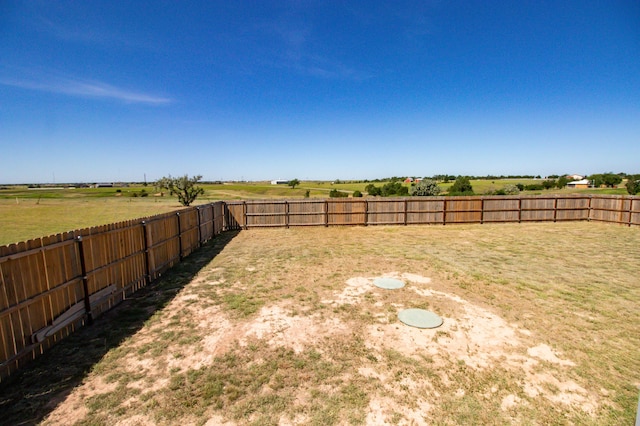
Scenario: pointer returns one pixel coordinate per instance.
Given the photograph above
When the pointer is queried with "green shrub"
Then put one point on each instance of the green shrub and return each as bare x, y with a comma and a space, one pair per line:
534, 187
510, 189
462, 186
334, 193
549, 183
394, 188
426, 187
357, 194
633, 184
373, 190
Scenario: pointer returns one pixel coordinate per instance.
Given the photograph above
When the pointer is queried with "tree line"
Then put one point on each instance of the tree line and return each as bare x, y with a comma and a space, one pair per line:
187, 190
462, 185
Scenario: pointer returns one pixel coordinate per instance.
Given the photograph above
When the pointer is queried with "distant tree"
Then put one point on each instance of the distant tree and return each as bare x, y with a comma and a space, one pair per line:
334, 193
426, 187
549, 183
357, 194
394, 188
307, 193
611, 179
608, 179
562, 182
293, 183
597, 180
520, 186
373, 190
633, 184
183, 187
462, 186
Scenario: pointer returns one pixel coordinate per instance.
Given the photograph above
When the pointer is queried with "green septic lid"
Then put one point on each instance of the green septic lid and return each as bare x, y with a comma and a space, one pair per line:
388, 283
420, 318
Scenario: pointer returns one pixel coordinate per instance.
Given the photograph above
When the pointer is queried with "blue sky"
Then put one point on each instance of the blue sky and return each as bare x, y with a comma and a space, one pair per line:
114, 90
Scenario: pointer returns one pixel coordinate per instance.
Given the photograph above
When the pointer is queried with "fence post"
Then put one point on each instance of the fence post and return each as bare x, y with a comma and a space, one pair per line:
520, 209
85, 281
228, 221
326, 213
286, 214
406, 203
630, 209
366, 212
444, 212
146, 252
590, 209
555, 208
244, 215
482, 211
199, 230
179, 235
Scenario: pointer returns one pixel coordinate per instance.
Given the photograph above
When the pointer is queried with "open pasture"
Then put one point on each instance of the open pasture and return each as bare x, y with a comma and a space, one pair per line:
34, 218
284, 326
31, 213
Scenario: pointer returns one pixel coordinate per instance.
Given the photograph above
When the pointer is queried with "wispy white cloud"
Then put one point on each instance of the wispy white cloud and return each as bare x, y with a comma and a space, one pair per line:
86, 89
320, 67
300, 50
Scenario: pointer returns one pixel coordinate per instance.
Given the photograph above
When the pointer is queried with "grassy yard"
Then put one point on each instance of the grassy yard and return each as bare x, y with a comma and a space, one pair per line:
284, 326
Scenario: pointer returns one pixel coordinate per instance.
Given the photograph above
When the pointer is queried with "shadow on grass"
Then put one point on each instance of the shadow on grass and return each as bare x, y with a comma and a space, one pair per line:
29, 395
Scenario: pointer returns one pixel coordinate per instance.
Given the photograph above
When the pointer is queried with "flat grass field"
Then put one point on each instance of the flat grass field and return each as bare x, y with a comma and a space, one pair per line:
285, 326
32, 213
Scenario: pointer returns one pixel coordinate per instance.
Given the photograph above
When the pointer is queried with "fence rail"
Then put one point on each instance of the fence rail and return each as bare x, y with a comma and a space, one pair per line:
52, 285
431, 210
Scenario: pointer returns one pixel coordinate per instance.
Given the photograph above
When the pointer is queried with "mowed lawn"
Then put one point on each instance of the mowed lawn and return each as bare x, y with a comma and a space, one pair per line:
285, 326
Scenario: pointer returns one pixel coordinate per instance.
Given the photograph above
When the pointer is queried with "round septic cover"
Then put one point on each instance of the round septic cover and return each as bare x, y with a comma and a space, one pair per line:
420, 318
388, 283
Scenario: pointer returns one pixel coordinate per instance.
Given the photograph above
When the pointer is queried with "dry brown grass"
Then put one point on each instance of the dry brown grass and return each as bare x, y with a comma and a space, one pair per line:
284, 327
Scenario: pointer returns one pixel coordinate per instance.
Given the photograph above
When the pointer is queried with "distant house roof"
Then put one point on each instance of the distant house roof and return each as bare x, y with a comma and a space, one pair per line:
579, 182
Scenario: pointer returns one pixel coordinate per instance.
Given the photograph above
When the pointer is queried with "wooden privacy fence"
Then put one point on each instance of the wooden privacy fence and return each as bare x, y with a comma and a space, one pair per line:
51, 285
431, 210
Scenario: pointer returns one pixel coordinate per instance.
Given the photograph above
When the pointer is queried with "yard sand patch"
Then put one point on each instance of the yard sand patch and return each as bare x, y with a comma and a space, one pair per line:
470, 334
286, 327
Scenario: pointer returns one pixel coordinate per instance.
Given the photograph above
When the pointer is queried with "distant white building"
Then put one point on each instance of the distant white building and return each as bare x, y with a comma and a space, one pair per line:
583, 183
575, 177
